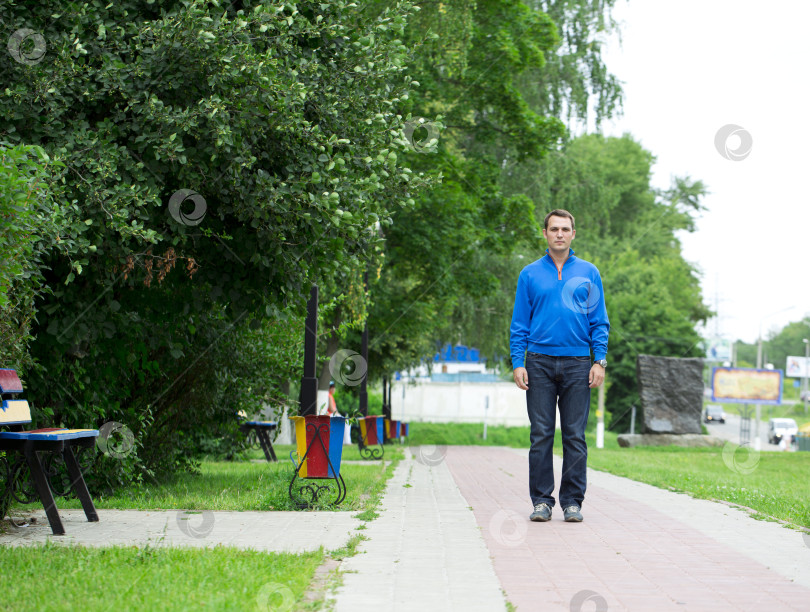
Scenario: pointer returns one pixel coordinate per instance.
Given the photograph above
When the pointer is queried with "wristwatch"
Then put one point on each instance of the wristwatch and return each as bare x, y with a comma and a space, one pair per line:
602, 362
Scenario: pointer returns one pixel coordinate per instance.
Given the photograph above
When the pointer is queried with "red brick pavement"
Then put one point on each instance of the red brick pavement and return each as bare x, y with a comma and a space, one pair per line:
624, 556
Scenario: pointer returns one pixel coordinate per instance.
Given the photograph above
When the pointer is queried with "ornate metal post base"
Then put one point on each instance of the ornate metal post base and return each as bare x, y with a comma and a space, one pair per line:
372, 453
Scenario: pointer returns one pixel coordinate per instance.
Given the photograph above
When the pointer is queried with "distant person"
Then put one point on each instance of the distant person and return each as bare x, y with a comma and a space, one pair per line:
331, 409
560, 317
786, 442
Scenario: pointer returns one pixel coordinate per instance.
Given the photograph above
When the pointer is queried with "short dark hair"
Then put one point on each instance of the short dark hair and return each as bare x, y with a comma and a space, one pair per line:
558, 212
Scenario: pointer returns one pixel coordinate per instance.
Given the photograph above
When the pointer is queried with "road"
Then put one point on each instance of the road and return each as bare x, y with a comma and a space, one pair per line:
730, 430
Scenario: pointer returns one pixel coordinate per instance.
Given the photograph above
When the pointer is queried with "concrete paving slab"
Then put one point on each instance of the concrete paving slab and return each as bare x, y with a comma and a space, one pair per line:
425, 551
264, 531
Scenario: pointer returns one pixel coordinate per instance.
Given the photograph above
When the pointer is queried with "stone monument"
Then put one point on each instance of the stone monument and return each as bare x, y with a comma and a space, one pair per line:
671, 390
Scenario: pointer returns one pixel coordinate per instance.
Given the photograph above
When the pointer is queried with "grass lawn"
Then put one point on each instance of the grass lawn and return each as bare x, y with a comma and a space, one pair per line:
249, 485
774, 484
127, 578
169, 578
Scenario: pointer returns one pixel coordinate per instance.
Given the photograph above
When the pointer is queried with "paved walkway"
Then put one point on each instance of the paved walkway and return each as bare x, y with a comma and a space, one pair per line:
639, 548
265, 531
453, 534
424, 552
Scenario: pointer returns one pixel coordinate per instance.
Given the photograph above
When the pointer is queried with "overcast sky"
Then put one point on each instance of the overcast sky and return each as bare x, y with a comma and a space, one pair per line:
690, 68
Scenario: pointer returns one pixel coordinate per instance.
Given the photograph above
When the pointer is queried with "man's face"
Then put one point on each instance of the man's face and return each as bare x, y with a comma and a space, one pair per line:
559, 234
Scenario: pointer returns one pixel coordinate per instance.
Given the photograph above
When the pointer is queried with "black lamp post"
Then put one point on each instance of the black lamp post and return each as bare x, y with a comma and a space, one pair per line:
308, 397
364, 355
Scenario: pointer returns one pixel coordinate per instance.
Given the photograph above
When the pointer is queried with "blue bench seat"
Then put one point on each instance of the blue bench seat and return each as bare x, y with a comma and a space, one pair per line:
14, 413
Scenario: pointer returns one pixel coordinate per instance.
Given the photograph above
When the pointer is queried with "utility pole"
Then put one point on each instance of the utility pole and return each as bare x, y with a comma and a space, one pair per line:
804, 380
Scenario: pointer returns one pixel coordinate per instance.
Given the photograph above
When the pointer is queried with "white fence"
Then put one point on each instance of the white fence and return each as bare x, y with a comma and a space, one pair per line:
496, 403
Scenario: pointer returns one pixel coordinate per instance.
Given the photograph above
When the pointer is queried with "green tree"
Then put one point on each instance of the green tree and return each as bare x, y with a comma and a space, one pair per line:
629, 231
467, 58
33, 226
281, 120
788, 341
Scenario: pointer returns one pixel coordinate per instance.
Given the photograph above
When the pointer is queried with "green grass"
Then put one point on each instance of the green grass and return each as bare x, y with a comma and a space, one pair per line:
774, 484
127, 578
248, 485
439, 434
222, 578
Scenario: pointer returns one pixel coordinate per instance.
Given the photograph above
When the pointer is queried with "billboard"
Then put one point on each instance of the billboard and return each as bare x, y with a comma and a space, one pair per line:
746, 386
796, 367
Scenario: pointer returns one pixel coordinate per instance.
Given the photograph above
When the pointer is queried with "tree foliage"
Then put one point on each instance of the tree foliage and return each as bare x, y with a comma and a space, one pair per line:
629, 230
277, 118
467, 58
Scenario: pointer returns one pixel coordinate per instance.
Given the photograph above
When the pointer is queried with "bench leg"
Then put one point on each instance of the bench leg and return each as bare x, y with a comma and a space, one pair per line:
267, 445
79, 485
44, 491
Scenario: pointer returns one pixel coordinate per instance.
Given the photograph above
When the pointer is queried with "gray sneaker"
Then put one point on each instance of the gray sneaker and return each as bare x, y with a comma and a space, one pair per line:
542, 513
572, 514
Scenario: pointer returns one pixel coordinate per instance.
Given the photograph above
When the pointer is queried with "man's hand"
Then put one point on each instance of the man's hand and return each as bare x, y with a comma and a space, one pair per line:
521, 378
597, 376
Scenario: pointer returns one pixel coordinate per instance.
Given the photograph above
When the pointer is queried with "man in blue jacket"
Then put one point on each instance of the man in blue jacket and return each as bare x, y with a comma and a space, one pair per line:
558, 319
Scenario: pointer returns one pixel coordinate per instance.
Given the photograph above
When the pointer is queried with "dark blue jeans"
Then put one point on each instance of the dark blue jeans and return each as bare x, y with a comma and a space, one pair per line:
554, 380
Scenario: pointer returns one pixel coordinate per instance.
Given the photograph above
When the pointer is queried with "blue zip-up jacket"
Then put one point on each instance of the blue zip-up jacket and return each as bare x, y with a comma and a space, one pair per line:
559, 312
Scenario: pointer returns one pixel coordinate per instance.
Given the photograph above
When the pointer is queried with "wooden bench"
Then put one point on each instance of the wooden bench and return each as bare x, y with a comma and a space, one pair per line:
262, 431
53, 440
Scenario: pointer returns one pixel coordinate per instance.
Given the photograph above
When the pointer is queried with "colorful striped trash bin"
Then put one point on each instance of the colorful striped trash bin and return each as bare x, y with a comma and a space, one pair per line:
392, 429
319, 450
372, 434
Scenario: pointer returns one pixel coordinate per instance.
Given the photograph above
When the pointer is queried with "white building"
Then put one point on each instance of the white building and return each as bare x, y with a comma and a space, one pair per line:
458, 389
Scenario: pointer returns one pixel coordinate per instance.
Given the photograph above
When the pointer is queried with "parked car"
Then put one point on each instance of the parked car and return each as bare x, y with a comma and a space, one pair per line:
781, 427
714, 414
